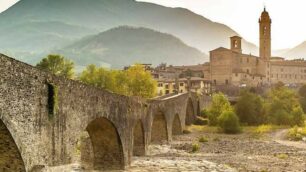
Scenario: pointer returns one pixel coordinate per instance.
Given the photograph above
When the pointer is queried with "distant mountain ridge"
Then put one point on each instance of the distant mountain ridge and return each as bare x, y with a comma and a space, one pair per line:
297, 52
38, 26
122, 46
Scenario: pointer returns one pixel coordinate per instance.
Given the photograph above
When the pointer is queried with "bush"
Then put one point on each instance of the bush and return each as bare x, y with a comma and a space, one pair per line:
195, 147
262, 129
219, 104
297, 116
296, 133
229, 122
203, 139
186, 131
204, 113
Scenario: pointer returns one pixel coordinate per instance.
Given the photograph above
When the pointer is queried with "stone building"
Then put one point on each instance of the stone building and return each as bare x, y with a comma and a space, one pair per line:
232, 67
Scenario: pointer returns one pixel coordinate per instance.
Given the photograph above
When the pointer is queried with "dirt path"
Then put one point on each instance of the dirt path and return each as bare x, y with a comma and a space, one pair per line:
280, 136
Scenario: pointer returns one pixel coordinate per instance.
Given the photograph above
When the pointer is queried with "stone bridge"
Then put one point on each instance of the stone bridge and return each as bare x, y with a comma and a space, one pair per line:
48, 121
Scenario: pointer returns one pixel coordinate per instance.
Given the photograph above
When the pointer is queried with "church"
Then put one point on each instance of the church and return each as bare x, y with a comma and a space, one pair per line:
232, 67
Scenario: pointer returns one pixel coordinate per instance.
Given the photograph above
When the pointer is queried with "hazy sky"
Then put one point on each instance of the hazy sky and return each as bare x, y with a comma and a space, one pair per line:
288, 17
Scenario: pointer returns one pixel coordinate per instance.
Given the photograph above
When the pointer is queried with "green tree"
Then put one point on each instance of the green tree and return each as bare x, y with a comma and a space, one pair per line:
57, 65
249, 108
99, 77
281, 103
228, 121
302, 94
219, 104
133, 82
141, 82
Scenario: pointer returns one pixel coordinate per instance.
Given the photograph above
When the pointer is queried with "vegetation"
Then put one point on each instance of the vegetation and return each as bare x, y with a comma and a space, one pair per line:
228, 121
262, 129
302, 94
283, 107
195, 147
219, 105
249, 108
133, 82
203, 139
296, 133
57, 65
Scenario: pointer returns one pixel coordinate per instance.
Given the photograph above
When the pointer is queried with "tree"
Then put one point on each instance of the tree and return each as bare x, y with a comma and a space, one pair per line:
229, 122
57, 65
281, 103
135, 81
302, 94
219, 104
140, 82
249, 108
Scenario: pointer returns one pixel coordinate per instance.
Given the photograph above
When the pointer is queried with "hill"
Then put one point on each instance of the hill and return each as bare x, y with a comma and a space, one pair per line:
37, 26
296, 52
122, 46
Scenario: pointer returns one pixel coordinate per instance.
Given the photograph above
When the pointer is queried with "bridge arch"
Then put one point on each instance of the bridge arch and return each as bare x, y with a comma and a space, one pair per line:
106, 144
10, 156
189, 119
139, 139
176, 125
159, 130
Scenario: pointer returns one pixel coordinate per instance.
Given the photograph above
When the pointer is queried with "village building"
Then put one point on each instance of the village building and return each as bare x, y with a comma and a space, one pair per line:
232, 67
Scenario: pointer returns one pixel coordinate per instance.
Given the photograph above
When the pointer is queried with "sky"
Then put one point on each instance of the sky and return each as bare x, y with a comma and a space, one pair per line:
288, 22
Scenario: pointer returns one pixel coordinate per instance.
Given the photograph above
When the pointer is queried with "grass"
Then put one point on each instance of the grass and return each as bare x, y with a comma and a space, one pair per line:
195, 147
203, 139
296, 133
282, 156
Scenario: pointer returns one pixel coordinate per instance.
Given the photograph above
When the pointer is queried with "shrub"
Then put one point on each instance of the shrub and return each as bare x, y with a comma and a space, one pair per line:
219, 104
297, 116
195, 147
204, 113
249, 108
186, 131
262, 129
296, 133
282, 156
203, 139
229, 122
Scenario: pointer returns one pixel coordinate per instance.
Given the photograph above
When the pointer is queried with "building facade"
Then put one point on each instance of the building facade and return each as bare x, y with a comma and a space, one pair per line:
232, 67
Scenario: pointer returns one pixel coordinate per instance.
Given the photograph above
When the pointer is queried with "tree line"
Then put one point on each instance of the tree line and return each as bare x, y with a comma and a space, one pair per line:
279, 106
135, 81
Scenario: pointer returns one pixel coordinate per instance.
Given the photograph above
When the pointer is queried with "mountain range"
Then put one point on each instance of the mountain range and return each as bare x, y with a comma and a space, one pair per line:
125, 45
30, 29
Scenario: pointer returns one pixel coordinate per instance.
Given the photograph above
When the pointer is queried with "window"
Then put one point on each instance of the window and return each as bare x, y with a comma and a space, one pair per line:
226, 82
236, 74
181, 84
167, 91
160, 84
248, 60
248, 71
236, 44
167, 86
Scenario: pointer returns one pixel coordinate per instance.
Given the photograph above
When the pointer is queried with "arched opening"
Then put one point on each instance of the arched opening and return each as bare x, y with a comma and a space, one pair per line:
10, 158
189, 113
106, 144
159, 128
139, 140
176, 126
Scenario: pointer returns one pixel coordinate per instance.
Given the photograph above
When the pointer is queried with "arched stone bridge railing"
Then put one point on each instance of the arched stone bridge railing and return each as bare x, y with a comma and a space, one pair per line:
48, 121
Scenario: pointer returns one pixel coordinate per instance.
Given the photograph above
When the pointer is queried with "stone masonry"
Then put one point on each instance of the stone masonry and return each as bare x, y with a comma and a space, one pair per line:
48, 121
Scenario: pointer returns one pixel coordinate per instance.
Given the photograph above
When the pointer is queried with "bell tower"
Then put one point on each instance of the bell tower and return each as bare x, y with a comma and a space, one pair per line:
265, 36
236, 44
